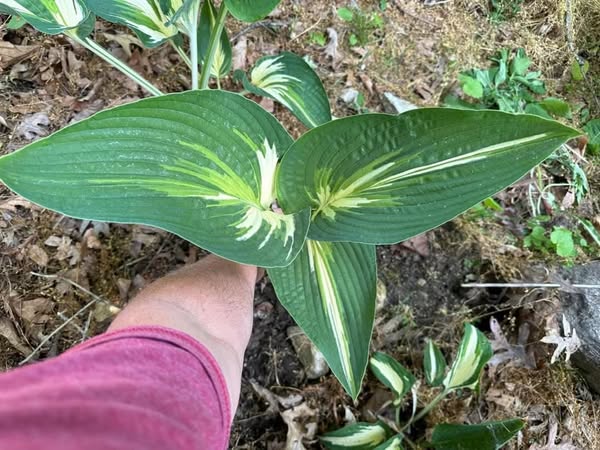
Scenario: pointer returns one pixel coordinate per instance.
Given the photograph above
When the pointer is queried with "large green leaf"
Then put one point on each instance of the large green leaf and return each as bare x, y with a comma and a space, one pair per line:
289, 79
483, 436
150, 19
49, 16
381, 179
223, 53
200, 164
329, 290
251, 10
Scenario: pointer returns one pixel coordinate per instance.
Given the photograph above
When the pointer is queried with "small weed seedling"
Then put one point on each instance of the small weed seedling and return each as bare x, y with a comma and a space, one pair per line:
363, 25
474, 352
218, 170
503, 10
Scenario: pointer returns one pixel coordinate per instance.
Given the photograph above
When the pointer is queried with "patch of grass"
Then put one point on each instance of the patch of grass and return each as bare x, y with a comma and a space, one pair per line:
503, 10
363, 25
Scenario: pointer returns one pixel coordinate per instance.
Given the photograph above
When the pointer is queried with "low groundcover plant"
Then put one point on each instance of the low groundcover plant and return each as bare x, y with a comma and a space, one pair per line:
218, 170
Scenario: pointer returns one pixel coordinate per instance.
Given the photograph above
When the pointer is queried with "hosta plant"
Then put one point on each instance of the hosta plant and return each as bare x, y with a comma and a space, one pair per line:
216, 169
473, 353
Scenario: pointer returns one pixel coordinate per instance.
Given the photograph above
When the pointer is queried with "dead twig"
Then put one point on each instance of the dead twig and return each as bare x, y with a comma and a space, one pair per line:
96, 299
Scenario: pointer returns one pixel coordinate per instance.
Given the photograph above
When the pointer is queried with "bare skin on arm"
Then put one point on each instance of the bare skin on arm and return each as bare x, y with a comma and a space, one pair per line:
212, 301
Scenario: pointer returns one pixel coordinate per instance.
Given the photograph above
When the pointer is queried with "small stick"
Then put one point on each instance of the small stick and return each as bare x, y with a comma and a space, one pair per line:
528, 285
95, 300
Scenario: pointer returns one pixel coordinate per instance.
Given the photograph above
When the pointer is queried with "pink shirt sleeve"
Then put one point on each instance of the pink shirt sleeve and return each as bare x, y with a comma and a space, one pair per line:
141, 388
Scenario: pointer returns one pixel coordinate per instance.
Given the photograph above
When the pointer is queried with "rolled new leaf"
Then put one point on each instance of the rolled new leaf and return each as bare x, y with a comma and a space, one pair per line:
381, 179
199, 164
150, 19
52, 16
394, 443
329, 290
474, 352
251, 10
222, 60
434, 364
289, 80
392, 374
483, 436
358, 436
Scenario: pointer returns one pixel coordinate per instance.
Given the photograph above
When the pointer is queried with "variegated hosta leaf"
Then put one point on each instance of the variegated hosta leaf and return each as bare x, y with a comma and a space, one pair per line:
150, 19
474, 352
481, 436
289, 79
392, 374
50, 16
381, 179
222, 62
183, 13
329, 290
358, 436
394, 443
434, 364
200, 164
251, 10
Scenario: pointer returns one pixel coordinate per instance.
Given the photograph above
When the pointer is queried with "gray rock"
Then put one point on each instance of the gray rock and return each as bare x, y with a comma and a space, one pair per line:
582, 309
311, 358
349, 96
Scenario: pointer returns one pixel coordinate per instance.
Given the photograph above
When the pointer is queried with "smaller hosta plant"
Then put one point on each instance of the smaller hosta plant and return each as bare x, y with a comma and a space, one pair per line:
474, 352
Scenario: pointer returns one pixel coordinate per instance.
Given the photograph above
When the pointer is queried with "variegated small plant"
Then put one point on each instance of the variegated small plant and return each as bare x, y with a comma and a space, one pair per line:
473, 353
216, 169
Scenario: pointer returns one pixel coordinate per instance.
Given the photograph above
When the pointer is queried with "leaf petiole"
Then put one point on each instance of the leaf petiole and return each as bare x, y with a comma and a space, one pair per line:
213, 45
117, 63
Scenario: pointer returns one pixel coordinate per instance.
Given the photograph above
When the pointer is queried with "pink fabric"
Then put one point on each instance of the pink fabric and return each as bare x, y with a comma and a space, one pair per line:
142, 388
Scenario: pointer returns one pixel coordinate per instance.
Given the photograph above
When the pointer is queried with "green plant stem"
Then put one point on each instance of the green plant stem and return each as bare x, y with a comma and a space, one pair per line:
182, 54
427, 408
194, 57
117, 63
212, 45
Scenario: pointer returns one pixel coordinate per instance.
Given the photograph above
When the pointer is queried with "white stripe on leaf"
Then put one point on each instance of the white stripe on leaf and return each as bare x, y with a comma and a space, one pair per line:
319, 255
360, 436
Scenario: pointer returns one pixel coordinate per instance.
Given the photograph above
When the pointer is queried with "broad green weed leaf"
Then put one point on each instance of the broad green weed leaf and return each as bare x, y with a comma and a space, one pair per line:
592, 128
557, 107
222, 62
345, 14
394, 443
329, 290
358, 436
474, 352
483, 436
148, 18
434, 364
471, 86
562, 238
48, 16
381, 179
251, 10
289, 79
520, 63
392, 374
199, 164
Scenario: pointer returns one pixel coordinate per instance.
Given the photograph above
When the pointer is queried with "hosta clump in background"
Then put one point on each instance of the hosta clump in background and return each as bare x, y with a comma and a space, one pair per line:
465, 372
216, 169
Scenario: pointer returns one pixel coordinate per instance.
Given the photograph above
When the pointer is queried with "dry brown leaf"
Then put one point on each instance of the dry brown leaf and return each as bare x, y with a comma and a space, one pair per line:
11, 54
418, 244
240, 51
38, 255
7, 330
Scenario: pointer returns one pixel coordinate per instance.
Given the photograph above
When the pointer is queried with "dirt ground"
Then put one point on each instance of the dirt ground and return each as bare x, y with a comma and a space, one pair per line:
62, 280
